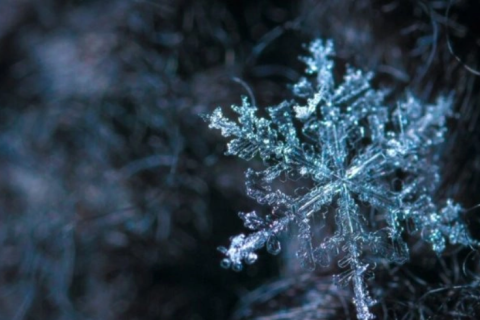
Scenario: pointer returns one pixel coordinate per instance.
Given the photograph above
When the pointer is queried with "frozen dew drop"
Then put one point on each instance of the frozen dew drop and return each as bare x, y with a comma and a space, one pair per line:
273, 245
237, 267
251, 258
226, 263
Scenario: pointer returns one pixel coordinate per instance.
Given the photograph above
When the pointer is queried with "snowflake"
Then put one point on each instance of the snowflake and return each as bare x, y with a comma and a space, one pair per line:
371, 166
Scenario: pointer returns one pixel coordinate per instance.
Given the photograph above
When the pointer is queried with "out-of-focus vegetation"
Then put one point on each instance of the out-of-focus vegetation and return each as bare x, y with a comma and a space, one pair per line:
114, 193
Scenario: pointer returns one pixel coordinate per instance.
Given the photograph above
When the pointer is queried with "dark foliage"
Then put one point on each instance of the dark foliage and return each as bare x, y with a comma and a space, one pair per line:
115, 194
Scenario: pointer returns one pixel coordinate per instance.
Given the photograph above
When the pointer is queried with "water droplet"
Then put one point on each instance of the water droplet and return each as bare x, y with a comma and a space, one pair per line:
251, 258
273, 245
226, 263
237, 267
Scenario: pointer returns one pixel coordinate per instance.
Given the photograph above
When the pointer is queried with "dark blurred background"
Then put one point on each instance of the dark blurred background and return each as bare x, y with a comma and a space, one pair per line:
115, 194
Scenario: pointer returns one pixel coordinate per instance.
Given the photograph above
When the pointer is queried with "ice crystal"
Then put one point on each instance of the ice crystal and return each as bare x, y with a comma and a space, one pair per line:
370, 165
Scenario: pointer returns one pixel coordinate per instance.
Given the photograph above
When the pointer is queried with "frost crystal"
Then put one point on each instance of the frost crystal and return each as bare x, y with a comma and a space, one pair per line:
371, 166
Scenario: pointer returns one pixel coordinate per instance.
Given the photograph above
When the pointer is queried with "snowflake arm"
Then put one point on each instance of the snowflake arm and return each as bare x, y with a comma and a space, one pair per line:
242, 248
